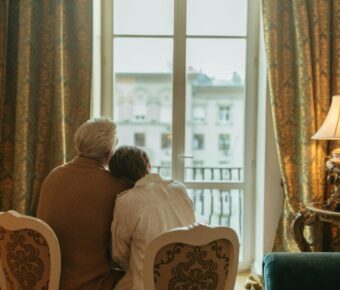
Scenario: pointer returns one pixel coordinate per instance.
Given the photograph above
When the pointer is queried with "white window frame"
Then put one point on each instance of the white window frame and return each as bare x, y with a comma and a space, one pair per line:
179, 90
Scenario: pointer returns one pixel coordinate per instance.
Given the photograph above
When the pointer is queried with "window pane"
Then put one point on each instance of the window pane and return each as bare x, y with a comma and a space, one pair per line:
139, 139
143, 97
219, 207
143, 17
217, 17
215, 109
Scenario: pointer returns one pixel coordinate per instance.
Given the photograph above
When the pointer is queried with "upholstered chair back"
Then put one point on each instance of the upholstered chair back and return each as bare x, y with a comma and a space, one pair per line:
197, 257
29, 253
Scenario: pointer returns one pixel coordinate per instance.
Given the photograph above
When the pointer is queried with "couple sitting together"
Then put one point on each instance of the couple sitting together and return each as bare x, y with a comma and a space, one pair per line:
105, 207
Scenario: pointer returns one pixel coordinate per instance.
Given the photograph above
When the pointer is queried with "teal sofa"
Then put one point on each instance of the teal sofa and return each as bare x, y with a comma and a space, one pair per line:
299, 271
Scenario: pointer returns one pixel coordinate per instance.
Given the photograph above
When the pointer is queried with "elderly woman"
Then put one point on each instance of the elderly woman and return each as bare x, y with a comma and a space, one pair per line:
77, 201
151, 207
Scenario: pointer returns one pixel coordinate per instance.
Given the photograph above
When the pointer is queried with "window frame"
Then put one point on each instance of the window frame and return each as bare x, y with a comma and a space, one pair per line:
179, 89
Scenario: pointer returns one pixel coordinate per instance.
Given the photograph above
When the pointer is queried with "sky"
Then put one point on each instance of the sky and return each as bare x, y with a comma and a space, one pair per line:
218, 58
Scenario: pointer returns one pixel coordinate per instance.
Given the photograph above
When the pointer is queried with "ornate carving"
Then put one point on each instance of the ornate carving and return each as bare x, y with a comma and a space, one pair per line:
333, 178
297, 226
313, 214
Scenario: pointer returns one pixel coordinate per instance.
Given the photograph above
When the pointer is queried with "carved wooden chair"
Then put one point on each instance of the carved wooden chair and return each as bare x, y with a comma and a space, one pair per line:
29, 253
197, 257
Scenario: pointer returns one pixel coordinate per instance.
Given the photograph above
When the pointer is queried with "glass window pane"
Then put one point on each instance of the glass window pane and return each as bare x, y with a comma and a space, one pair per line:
215, 102
217, 17
143, 17
219, 207
143, 97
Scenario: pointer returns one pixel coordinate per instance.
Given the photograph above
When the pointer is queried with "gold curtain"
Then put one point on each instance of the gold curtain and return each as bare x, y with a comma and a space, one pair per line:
45, 78
302, 48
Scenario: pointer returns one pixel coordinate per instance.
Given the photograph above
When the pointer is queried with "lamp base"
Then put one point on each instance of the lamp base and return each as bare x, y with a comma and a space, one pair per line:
333, 178
333, 202
335, 155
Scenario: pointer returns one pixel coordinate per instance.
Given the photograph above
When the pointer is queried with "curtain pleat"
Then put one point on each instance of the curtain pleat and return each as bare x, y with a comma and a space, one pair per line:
302, 56
46, 92
3, 51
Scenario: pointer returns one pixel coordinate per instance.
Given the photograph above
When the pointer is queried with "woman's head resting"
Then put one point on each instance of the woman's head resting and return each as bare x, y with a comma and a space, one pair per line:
129, 163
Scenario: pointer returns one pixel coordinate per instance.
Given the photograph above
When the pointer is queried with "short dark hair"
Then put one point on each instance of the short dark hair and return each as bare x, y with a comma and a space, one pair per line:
129, 163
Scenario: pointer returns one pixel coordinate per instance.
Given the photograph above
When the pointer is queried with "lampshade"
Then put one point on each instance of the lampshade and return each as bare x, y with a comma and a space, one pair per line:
330, 128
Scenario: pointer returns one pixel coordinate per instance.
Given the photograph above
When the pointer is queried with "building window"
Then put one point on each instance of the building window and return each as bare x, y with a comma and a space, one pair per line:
140, 139
198, 142
224, 143
224, 114
199, 114
165, 141
139, 111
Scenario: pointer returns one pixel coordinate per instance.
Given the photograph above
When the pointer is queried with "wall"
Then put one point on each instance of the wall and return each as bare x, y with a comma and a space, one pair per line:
269, 194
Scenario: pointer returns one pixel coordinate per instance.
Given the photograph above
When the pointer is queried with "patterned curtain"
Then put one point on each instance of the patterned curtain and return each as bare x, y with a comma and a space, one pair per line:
302, 45
45, 90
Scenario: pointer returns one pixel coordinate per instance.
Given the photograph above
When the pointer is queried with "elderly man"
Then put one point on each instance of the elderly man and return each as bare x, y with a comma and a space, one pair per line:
77, 201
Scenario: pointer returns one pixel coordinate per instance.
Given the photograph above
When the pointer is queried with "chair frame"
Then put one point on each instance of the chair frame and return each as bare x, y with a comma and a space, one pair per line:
14, 221
194, 235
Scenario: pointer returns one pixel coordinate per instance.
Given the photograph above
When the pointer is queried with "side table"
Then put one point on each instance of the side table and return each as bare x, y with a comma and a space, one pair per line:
313, 214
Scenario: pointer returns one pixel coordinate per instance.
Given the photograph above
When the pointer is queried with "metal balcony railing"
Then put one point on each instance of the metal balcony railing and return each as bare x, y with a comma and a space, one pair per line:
214, 206
196, 173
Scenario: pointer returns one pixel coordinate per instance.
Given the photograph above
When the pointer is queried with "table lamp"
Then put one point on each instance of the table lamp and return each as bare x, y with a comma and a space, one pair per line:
330, 130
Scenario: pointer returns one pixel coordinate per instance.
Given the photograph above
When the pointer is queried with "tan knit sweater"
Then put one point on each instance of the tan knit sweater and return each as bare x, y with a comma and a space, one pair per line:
77, 201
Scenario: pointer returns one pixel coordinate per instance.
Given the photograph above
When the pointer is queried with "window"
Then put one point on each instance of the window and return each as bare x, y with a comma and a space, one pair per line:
224, 113
198, 142
194, 59
224, 143
140, 139
199, 114
139, 110
166, 142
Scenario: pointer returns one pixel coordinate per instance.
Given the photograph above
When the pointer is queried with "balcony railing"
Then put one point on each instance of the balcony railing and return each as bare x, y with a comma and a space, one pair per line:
214, 206
219, 207
204, 173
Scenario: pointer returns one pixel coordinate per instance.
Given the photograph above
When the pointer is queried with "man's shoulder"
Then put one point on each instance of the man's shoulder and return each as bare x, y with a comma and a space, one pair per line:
119, 187
57, 170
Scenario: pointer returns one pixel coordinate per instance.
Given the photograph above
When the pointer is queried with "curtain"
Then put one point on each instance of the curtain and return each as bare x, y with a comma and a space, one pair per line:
303, 55
45, 90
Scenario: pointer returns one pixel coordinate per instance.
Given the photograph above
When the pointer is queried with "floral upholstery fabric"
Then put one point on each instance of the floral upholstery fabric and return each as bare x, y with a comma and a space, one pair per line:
25, 258
182, 266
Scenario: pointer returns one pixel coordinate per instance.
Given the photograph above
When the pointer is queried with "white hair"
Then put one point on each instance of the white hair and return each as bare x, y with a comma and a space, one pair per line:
95, 138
